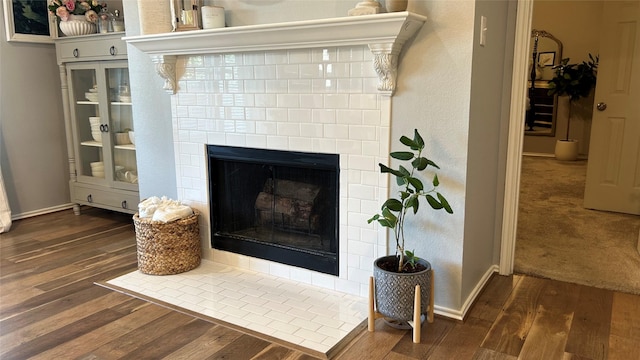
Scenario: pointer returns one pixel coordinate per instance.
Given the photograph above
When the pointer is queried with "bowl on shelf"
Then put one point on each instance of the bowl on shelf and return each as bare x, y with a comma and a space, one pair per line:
131, 137
120, 171
95, 128
91, 96
122, 138
97, 169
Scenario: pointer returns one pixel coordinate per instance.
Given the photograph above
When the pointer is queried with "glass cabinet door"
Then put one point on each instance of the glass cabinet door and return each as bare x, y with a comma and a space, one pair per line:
88, 126
121, 131
103, 124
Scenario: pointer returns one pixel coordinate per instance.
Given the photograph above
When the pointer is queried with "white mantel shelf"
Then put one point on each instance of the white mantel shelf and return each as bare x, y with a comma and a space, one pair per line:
385, 34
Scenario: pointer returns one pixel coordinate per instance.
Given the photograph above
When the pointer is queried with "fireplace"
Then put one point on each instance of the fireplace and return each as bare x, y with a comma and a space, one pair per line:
275, 205
320, 86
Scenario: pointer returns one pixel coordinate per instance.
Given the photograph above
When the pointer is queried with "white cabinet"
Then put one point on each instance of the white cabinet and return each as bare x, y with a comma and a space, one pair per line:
99, 122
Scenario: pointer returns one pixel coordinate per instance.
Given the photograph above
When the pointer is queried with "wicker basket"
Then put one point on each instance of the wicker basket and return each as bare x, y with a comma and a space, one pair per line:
167, 248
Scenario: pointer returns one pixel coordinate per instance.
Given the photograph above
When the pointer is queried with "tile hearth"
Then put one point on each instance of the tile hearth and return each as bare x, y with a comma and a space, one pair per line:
301, 314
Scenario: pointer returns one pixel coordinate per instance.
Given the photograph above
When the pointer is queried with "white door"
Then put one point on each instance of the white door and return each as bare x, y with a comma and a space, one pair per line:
613, 171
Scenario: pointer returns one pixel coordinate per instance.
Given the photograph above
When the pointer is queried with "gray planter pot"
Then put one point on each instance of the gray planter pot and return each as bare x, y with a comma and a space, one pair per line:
394, 292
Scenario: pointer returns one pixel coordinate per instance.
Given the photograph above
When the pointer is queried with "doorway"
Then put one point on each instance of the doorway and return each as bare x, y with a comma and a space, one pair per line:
515, 146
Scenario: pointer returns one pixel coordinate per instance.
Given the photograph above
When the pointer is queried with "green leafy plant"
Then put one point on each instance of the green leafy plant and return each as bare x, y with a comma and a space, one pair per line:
394, 211
575, 81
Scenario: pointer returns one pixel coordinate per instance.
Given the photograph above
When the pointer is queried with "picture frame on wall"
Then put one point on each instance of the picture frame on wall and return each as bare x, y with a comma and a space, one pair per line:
547, 58
29, 21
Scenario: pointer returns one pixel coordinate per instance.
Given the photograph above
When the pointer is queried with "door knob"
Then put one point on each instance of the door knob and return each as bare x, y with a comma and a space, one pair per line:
601, 106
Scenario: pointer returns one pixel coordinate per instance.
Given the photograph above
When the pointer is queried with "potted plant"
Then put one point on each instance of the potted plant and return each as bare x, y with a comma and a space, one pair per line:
576, 82
396, 275
76, 17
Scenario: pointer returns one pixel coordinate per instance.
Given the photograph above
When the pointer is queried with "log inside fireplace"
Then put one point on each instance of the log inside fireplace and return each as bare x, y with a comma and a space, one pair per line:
289, 205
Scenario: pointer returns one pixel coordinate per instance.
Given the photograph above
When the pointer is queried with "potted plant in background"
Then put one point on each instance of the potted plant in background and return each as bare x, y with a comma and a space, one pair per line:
576, 82
396, 276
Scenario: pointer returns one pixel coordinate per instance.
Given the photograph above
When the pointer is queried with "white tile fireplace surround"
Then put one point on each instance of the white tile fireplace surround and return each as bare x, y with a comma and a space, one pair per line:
314, 100
330, 95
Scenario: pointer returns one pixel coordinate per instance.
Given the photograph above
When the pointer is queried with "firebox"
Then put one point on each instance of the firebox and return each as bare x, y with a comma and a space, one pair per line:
275, 205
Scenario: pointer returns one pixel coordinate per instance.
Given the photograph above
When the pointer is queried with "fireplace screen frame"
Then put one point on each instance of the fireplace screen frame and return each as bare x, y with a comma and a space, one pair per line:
320, 261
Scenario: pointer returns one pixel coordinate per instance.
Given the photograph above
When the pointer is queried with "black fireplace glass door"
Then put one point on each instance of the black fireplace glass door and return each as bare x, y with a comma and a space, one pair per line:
277, 205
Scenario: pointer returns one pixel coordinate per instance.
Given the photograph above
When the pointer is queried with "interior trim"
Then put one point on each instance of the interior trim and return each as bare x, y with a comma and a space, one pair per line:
516, 136
471, 299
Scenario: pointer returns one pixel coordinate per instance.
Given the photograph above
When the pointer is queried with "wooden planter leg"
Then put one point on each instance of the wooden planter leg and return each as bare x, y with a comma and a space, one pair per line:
431, 298
416, 323
417, 311
373, 314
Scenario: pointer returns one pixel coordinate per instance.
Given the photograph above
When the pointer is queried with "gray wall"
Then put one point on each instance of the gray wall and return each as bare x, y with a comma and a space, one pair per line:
490, 100
452, 89
33, 151
151, 118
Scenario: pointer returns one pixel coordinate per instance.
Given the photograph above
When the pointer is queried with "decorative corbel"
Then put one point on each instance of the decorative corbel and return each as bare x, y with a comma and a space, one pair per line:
385, 63
166, 68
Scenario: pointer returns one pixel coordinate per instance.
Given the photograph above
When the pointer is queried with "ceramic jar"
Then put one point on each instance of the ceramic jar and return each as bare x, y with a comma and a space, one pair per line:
396, 5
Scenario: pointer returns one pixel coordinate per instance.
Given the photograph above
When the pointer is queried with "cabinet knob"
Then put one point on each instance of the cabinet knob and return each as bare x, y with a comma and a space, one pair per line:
112, 51
124, 204
89, 198
104, 128
76, 53
601, 106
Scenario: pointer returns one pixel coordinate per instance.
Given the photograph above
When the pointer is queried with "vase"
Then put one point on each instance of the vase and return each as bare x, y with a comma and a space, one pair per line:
77, 25
396, 5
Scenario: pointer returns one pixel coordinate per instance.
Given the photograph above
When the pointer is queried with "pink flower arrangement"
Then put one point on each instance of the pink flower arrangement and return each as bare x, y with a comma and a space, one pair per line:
63, 8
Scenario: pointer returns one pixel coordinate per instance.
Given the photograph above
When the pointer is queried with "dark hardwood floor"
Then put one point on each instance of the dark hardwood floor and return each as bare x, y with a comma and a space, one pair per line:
50, 308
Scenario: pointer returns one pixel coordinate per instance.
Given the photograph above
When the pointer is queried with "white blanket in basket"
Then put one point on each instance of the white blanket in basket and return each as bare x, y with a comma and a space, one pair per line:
163, 209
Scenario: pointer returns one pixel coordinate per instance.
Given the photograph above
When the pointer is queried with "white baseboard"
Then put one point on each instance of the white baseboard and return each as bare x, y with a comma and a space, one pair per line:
461, 313
535, 154
448, 313
48, 210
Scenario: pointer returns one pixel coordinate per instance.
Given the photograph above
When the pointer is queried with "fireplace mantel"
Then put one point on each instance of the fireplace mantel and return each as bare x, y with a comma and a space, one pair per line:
385, 34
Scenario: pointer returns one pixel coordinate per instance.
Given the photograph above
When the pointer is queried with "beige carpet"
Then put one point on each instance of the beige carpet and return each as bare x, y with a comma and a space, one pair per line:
559, 239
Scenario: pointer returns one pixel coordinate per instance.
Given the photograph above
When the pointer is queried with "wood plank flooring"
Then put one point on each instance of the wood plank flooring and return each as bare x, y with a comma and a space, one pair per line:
50, 308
